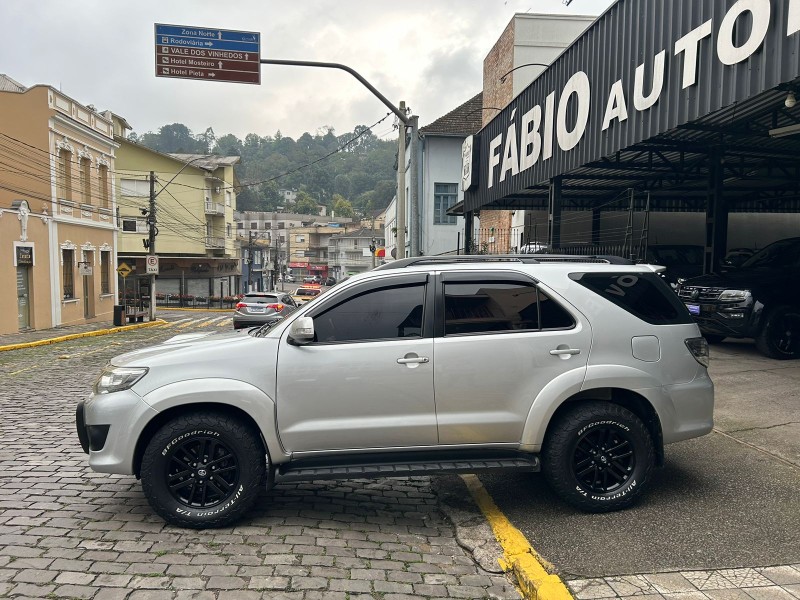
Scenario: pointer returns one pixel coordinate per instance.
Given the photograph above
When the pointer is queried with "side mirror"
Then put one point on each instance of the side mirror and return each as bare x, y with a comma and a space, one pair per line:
301, 331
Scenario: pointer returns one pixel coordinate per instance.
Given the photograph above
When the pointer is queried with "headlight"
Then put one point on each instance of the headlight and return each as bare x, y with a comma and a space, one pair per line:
116, 379
737, 295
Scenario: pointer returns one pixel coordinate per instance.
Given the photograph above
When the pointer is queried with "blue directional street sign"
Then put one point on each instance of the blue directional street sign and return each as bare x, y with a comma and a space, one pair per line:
188, 52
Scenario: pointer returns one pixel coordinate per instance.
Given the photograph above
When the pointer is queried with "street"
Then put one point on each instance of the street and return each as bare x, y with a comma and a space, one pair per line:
724, 501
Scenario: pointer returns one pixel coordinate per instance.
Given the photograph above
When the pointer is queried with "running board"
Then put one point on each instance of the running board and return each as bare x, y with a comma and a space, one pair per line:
299, 472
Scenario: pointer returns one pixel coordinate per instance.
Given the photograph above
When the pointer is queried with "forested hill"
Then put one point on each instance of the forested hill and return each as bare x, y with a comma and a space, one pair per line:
356, 169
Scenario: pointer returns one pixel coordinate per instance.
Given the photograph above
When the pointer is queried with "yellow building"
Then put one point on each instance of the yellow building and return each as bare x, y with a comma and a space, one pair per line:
57, 232
195, 241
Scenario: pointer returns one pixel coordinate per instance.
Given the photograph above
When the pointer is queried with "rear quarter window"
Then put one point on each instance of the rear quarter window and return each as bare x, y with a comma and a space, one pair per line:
644, 295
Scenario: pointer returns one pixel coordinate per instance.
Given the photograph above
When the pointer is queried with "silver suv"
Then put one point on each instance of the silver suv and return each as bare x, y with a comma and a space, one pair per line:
583, 368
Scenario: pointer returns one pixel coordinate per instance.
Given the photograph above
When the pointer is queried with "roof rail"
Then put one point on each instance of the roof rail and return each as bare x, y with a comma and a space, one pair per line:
531, 259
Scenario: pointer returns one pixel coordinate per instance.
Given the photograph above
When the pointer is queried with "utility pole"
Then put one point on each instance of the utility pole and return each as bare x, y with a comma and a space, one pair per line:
151, 245
374, 245
414, 230
274, 227
250, 262
401, 187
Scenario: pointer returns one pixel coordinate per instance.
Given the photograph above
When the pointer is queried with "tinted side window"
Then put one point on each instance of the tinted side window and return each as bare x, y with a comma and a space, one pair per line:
385, 313
642, 294
495, 306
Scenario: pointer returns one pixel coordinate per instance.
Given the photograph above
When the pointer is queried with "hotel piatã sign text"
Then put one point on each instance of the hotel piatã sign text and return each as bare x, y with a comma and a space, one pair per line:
533, 138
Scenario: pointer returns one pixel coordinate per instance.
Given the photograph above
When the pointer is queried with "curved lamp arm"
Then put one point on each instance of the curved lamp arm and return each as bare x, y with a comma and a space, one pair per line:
163, 187
503, 78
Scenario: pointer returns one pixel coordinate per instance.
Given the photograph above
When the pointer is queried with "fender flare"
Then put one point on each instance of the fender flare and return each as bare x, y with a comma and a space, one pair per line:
231, 392
569, 384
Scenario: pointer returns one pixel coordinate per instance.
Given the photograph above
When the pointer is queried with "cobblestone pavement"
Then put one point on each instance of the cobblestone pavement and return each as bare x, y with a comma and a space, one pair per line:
67, 532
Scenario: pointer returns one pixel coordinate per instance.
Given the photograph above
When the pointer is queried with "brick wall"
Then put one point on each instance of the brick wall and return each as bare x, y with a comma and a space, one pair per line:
497, 94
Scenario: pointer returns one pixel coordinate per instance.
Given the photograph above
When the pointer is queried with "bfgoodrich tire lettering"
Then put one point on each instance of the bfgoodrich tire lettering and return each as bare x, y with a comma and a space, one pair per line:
780, 336
203, 470
598, 456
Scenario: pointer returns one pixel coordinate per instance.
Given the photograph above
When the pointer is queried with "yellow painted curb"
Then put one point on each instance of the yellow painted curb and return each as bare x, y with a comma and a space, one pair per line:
197, 309
74, 336
533, 575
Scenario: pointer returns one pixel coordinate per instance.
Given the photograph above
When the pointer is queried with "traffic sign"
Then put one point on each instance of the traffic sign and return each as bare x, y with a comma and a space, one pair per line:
152, 264
188, 52
124, 270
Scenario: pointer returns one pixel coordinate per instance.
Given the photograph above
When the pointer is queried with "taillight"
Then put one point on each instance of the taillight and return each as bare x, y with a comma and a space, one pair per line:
240, 305
276, 307
699, 349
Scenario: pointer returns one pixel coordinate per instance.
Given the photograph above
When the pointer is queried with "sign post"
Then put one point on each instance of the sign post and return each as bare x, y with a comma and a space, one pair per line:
188, 52
152, 264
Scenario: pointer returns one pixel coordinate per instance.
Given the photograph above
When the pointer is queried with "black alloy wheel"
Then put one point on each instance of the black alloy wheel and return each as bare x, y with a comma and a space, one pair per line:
202, 472
598, 456
203, 469
603, 459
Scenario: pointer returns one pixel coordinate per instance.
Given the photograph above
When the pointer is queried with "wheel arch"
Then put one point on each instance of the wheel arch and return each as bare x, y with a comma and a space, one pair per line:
167, 415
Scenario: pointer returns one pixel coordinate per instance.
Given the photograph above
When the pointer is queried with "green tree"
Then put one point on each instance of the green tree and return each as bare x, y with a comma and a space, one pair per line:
305, 204
341, 207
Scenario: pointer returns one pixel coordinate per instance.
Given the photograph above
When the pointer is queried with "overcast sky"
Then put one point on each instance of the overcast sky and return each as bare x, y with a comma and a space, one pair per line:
427, 52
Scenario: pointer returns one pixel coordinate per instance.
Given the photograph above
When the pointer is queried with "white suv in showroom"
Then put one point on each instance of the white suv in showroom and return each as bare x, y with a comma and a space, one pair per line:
580, 367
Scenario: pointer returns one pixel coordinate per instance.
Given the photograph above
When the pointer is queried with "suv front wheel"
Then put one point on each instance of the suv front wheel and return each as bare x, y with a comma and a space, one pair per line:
598, 456
203, 469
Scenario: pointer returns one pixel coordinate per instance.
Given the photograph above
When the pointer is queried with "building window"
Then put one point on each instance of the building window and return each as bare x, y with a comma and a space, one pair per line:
86, 181
445, 195
67, 274
105, 272
64, 175
104, 195
133, 225
228, 230
135, 187
227, 198
239, 225
253, 225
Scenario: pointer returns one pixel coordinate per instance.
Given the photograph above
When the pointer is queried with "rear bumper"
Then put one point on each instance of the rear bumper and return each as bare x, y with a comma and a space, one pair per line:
692, 410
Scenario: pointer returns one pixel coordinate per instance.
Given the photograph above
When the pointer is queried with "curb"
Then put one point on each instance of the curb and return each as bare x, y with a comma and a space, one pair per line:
178, 308
532, 573
74, 336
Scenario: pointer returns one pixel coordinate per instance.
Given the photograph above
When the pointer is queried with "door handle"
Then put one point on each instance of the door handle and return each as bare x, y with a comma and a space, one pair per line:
561, 352
417, 359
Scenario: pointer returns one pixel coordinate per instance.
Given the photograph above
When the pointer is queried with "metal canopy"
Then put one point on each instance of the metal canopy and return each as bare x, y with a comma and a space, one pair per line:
761, 173
650, 98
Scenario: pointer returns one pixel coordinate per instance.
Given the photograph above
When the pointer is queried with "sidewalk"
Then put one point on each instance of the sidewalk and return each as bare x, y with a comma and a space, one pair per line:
23, 339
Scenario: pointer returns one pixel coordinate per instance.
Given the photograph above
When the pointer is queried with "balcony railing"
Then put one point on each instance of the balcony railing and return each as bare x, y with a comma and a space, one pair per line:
215, 242
214, 208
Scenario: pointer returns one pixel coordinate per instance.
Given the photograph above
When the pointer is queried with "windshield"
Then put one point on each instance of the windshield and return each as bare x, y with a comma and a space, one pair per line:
783, 253
671, 256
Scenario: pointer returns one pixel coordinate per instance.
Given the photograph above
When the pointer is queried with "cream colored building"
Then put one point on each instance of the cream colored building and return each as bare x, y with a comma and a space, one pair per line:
196, 241
57, 231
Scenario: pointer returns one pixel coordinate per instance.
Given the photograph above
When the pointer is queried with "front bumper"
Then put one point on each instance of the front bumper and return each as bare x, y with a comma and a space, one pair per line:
109, 426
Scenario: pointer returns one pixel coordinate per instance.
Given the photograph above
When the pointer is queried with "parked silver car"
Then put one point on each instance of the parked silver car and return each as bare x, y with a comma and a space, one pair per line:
579, 367
257, 308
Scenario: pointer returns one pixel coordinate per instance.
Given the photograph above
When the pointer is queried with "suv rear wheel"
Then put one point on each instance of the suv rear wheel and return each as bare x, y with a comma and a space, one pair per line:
780, 336
203, 470
598, 456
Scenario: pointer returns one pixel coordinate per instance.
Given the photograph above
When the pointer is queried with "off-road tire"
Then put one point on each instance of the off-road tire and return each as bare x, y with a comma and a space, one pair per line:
209, 494
616, 474
779, 338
